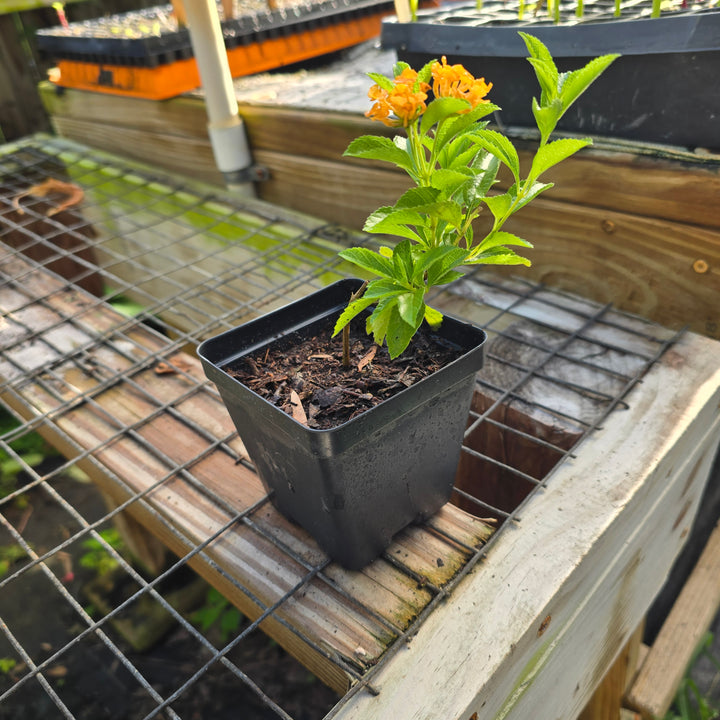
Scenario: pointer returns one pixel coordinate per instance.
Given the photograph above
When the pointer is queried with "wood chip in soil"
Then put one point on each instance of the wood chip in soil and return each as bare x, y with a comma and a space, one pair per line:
309, 369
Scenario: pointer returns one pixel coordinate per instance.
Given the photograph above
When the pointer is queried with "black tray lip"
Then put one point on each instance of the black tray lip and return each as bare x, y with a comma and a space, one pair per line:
168, 47
692, 31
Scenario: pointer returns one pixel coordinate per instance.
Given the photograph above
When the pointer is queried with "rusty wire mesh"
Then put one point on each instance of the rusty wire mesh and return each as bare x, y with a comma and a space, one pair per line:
184, 262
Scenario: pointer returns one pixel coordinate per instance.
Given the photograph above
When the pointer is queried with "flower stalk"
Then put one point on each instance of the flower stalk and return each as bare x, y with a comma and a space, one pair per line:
453, 159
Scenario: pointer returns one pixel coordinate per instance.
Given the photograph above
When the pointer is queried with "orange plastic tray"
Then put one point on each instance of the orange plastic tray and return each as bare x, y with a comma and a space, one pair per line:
166, 81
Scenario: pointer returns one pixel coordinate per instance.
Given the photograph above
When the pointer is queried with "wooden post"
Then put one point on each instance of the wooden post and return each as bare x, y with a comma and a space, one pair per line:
21, 111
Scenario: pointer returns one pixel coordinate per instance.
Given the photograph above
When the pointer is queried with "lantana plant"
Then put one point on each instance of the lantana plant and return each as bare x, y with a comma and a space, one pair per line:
453, 159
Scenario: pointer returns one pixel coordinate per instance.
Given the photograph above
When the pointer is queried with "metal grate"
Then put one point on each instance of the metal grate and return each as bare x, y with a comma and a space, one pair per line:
190, 262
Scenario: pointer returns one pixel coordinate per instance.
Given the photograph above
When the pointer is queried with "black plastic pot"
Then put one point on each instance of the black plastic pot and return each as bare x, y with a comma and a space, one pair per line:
665, 88
354, 486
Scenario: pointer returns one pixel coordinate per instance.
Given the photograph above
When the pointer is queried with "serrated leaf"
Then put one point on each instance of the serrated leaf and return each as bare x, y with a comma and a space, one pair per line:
417, 197
369, 260
530, 193
499, 146
399, 333
447, 277
499, 205
352, 310
433, 317
462, 124
374, 147
448, 181
441, 109
377, 323
384, 82
484, 175
555, 152
381, 288
575, 83
548, 79
502, 238
441, 266
499, 256
410, 306
536, 48
546, 117
396, 222
402, 261
445, 257
425, 72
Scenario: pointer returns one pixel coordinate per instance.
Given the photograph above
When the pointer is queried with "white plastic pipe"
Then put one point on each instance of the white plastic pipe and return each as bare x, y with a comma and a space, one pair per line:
225, 127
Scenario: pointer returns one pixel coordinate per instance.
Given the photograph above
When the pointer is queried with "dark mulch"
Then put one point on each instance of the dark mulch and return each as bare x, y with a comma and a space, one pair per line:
305, 377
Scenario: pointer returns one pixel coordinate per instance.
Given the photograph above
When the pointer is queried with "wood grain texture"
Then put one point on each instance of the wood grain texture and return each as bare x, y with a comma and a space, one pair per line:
664, 667
533, 631
672, 185
164, 445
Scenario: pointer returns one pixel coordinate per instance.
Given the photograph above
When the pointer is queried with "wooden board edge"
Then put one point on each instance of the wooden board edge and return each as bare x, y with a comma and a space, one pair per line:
491, 646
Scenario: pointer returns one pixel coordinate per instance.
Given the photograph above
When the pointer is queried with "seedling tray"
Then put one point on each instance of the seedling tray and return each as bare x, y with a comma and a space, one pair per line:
145, 54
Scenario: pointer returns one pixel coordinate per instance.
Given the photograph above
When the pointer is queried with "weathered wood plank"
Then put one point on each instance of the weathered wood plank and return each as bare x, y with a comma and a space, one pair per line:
119, 375
613, 177
534, 629
657, 682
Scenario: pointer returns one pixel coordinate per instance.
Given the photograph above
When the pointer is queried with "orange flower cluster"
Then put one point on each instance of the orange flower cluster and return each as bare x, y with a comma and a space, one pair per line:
406, 102
456, 82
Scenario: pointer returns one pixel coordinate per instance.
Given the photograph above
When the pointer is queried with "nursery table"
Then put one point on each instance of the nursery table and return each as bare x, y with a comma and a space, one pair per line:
458, 619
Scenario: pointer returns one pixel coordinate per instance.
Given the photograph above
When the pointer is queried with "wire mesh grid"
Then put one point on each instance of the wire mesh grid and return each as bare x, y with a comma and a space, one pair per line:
103, 303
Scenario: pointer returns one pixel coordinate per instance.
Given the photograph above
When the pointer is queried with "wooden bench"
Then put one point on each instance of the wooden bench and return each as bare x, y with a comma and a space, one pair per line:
531, 631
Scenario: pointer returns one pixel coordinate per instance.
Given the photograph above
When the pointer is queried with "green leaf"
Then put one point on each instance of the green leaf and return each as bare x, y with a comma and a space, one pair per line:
503, 238
462, 124
395, 222
417, 197
555, 152
399, 333
445, 256
530, 194
485, 170
444, 264
499, 205
548, 79
398, 68
369, 260
499, 146
433, 317
377, 323
499, 256
402, 261
352, 310
545, 69
425, 72
440, 109
448, 181
373, 147
574, 84
411, 305
546, 117
384, 82
381, 288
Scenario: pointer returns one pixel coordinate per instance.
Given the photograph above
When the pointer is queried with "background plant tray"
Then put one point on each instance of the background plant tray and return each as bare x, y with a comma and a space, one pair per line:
678, 50
152, 37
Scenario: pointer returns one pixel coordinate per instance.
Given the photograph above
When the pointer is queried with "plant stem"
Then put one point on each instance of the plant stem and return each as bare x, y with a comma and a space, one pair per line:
346, 330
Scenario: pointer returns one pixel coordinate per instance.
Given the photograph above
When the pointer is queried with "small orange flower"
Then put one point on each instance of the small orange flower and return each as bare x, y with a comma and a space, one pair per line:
456, 82
406, 101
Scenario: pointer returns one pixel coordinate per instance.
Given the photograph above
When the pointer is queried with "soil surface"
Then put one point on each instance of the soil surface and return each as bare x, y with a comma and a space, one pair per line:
304, 375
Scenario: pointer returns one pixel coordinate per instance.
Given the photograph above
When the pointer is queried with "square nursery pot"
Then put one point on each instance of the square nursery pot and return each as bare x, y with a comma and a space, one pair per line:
352, 487
664, 89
